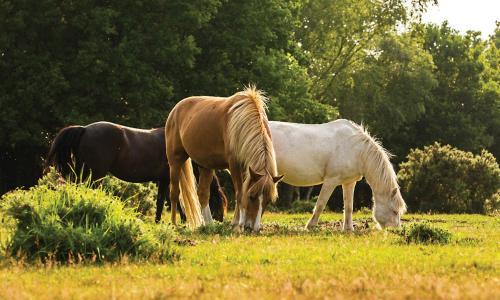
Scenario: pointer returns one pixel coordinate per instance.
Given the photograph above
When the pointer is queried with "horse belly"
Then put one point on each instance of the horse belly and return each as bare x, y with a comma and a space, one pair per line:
203, 141
301, 157
141, 158
299, 170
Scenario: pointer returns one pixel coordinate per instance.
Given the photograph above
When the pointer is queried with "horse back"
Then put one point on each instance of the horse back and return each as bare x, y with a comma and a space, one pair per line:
130, 154
309, 153
197, 125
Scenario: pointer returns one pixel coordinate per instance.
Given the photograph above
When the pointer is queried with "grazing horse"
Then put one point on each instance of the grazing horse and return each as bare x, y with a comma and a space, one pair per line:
222, 133
338, 153
131, 154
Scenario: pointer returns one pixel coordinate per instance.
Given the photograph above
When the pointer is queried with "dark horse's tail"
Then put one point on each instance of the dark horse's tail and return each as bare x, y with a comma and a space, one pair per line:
218, 200
64, 145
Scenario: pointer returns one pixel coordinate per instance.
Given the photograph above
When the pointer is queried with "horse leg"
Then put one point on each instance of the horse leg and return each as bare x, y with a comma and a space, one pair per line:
348, 195
174, 190
217, 200
205, 180
160, 199
183, 215
237, 184
236, 215
324, 195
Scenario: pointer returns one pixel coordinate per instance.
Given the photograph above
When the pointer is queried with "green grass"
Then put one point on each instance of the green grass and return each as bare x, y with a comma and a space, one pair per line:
284, 261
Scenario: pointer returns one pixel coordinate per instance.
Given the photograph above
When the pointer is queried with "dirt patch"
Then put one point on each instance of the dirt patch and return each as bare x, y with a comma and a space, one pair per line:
424, 220
185, 242
360, 226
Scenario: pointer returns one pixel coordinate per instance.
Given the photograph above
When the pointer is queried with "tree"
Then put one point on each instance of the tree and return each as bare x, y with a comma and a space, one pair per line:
253, 42
491, 87
80, 61
461, 112
337, 35
390, 91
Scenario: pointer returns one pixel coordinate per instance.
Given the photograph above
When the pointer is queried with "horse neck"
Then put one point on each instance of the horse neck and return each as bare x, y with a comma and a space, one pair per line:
378, 174
250, 140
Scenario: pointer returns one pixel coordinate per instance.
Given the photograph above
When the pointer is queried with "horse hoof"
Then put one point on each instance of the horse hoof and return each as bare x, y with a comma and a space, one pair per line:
348, 229
237, 229
309, 226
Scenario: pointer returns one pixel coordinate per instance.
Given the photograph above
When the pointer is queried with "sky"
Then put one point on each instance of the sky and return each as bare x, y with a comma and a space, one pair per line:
463, 15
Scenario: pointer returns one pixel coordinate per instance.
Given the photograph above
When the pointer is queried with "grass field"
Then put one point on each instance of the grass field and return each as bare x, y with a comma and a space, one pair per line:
286, 262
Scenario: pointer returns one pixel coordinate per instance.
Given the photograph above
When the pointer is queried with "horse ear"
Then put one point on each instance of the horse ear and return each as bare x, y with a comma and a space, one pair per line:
278, 178
254, 176
394, 192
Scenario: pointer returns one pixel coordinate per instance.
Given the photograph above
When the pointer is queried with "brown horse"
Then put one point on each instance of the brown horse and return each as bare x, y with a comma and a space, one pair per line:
221, 133
131, 154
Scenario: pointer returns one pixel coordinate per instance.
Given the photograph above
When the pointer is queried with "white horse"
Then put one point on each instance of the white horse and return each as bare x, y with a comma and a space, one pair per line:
338, 153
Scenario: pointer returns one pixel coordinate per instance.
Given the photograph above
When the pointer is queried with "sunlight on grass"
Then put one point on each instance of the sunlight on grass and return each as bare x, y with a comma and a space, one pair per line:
285, 261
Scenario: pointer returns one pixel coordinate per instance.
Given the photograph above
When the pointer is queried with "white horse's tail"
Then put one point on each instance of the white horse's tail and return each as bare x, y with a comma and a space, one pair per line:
189, 197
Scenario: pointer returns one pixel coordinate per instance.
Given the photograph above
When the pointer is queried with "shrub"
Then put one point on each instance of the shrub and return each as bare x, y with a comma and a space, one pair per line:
140, 196
74, 223
445, 179
302, 206
424, 233
365, 210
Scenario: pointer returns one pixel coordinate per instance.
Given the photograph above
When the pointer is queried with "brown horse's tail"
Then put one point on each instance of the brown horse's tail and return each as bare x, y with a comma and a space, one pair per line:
64, 145
189, 197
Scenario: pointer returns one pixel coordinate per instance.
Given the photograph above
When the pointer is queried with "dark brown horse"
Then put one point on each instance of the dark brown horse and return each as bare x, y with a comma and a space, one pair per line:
131, 154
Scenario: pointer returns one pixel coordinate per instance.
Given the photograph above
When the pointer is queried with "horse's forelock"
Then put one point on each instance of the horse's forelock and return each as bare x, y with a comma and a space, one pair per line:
264, 185
401, 204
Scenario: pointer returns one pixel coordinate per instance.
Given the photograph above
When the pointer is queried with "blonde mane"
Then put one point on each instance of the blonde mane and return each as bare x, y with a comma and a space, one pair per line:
378, 166
249, 139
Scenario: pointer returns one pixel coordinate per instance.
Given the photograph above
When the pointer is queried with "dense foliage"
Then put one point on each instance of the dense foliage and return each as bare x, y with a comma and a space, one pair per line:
445, 179
129, 62
139, 196
72, 223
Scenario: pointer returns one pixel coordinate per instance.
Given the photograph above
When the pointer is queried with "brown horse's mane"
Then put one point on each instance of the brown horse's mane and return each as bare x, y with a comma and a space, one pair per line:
250, 140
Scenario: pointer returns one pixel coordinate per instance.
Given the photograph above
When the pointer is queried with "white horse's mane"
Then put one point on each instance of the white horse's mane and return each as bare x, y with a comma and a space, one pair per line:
378, 165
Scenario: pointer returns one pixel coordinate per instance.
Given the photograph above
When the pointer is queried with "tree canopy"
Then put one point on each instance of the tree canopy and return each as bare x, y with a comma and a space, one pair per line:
75, 62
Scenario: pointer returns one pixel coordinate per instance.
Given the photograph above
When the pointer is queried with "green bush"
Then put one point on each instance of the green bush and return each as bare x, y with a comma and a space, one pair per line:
140, 196
74, 223
445, 179
302, 206
424, 233
365, 210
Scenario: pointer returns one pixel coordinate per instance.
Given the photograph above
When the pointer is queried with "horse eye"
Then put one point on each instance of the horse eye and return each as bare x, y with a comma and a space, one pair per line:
396, 212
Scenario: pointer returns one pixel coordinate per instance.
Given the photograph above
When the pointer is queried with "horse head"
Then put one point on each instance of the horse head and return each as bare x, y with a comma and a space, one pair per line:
388, 208
260, 191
